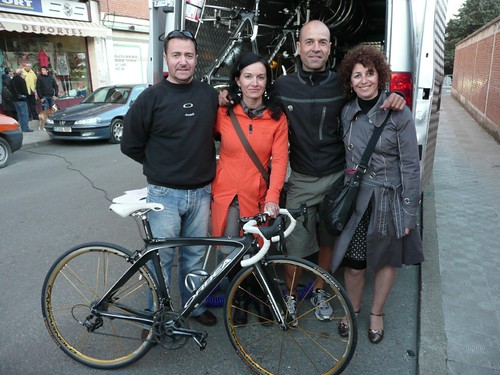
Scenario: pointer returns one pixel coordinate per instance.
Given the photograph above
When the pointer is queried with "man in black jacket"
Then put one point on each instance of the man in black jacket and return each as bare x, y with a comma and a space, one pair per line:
46, 88
312, 100
169, 130
7, 103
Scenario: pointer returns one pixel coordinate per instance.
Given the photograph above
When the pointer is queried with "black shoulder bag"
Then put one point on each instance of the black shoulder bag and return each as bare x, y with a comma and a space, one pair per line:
339, 204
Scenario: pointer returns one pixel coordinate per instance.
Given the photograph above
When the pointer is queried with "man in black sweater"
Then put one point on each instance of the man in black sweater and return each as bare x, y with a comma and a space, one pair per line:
169, 130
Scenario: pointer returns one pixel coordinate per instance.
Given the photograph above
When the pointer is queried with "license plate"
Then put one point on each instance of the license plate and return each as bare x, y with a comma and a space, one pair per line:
62, 129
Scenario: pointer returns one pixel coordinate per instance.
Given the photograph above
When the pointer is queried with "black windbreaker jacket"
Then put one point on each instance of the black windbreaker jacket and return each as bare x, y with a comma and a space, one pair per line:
312, 102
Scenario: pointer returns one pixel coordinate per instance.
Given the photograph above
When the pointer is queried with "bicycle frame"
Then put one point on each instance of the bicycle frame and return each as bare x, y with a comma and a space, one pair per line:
243, 244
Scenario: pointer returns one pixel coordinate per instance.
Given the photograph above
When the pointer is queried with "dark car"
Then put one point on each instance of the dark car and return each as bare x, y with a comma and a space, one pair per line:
11, 138
98, 116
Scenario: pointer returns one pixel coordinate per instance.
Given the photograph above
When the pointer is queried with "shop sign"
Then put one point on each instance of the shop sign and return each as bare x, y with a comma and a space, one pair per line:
72, 10
42, 29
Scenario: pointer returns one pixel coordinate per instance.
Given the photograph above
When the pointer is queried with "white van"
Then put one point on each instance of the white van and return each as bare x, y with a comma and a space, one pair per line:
411, 32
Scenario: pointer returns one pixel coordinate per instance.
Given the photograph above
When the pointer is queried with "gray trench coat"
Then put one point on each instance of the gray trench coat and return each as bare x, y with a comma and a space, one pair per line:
392, 183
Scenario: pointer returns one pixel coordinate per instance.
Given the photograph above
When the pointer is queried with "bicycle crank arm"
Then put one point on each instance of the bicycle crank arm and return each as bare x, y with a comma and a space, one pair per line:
198, 336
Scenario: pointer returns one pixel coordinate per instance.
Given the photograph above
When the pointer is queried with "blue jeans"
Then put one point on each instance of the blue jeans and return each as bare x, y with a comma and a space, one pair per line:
23, 115
186, 214
48, 102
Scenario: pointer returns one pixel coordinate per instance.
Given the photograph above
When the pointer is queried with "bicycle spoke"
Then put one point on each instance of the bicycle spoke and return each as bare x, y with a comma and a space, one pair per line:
306, 345
77, 281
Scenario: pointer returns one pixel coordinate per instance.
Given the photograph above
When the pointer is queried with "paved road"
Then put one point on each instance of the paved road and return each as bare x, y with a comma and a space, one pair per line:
56, 196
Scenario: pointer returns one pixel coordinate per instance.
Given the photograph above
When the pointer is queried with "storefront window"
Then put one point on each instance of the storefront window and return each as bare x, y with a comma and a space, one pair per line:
65, 56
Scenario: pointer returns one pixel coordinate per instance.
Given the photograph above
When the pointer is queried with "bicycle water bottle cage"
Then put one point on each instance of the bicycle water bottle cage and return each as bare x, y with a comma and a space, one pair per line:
194, 279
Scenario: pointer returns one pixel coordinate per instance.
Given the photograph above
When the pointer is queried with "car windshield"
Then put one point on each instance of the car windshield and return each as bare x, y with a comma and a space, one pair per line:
117, 95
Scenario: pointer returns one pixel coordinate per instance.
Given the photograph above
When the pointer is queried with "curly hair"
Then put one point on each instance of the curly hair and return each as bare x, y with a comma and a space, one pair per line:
270, 99
367, 56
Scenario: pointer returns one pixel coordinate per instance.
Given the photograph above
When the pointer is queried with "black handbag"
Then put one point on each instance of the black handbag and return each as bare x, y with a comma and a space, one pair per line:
339, 204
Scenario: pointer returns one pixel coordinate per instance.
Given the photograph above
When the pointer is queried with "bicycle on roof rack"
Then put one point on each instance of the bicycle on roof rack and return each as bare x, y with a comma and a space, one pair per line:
106, 306
277, 43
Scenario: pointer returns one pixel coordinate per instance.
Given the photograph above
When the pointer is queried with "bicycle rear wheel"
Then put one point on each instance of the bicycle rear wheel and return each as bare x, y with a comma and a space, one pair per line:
80, 277
307, 345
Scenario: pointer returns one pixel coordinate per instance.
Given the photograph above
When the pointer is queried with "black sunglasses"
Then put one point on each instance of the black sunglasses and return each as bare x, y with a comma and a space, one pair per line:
179, 33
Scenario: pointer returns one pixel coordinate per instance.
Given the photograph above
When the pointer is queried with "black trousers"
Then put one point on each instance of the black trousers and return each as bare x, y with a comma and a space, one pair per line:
32, 107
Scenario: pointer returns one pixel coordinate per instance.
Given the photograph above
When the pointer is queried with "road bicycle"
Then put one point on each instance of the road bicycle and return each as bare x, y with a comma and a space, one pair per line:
105, 306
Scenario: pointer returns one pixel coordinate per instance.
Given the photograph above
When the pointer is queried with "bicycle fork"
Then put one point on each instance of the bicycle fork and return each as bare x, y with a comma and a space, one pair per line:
275, 297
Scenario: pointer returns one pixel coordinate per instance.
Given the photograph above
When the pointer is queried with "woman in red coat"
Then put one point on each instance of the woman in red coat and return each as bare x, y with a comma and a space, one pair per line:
239, 188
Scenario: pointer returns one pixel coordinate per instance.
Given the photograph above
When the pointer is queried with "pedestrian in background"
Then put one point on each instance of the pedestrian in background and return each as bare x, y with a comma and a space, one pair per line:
169, 130
30, 77
382, 234
7, 104
46, 88
19, 93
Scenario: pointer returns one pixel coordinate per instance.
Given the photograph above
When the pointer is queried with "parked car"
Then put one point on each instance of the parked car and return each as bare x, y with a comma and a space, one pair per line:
11, 138
98, 116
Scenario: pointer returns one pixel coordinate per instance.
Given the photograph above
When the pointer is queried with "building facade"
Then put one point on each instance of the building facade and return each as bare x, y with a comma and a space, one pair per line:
86, 44
476, 76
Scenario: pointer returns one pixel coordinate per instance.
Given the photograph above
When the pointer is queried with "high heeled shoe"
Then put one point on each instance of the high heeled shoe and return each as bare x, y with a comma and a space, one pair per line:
375, 335
344, 327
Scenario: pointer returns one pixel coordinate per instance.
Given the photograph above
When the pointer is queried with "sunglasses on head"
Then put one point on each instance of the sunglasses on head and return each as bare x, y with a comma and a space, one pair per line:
179, 33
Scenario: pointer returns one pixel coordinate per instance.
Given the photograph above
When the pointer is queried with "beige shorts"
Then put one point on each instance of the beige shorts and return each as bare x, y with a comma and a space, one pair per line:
303, 242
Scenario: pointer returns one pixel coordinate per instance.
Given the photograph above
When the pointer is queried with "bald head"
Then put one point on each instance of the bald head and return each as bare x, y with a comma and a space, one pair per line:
314, 45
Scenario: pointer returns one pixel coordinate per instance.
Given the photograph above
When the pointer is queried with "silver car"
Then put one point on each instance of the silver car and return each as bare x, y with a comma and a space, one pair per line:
98, 116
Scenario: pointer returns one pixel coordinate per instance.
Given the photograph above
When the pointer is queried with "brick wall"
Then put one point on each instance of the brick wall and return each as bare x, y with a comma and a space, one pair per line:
476, 76
126, 8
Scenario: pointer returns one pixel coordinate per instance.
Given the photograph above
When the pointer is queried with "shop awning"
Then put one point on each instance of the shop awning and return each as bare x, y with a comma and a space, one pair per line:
51, 26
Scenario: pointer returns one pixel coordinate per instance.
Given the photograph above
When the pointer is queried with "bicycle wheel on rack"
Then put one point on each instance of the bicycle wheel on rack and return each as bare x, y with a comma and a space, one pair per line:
308, 345
80, 277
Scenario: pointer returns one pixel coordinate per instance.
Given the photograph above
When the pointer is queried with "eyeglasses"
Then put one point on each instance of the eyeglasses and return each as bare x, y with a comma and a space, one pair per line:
179, 33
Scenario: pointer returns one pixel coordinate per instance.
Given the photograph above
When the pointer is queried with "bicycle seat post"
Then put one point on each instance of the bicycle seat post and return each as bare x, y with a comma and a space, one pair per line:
143, 217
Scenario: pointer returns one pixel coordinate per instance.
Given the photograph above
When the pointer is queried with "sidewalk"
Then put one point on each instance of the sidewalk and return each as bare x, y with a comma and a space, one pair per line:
460, 290
36, 137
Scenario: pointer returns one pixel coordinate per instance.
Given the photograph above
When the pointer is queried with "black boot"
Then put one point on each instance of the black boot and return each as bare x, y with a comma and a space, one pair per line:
263, 310
240, 302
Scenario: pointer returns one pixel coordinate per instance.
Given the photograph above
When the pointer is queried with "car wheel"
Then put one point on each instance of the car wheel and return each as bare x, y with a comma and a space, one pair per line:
5, 153
116, 131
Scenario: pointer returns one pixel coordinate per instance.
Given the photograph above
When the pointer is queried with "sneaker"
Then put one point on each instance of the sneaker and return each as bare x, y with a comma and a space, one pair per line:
323, 309
291, 304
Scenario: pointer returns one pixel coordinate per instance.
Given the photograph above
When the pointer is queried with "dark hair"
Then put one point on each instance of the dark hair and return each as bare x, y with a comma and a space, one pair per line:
179, 34
44, 67
368, 56
7, 70
269, 100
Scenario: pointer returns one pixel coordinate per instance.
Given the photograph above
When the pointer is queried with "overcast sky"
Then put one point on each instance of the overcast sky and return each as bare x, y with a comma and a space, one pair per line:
453, 6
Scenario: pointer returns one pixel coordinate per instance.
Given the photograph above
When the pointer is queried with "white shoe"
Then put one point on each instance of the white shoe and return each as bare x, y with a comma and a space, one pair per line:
291, 304
323, 309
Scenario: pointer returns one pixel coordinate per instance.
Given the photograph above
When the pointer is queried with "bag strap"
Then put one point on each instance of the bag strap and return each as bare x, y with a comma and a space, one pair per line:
370, 147
246, 145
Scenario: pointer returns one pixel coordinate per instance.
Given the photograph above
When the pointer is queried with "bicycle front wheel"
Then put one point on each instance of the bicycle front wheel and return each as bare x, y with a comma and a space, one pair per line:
306, 345
78, 279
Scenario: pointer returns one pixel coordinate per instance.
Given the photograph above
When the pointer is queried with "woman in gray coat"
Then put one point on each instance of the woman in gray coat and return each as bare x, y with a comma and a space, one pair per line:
382, 234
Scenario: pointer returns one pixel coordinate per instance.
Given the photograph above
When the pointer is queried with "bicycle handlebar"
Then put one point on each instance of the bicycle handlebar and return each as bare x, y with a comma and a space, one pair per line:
251, 227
